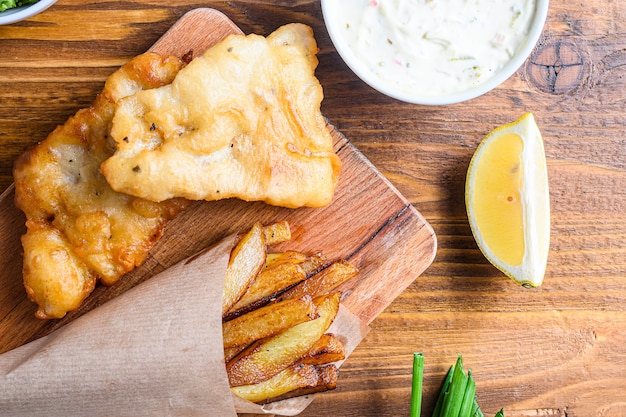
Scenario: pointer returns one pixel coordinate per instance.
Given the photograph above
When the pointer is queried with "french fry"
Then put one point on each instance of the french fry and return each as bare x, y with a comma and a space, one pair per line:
274, 259
326, 350
313, 264
327, 380
323, 282
279, 307
267, 321
269, 283
277, 233
231, 352
294, 380
267, 357
246, 260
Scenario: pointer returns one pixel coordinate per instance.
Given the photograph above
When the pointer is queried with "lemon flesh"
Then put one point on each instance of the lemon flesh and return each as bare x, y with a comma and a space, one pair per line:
507, 200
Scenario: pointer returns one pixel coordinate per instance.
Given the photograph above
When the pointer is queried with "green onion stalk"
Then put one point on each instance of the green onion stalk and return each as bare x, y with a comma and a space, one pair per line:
457, 397
416, 385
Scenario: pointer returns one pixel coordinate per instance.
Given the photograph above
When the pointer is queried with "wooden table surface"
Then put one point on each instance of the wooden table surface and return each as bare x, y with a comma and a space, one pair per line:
558, 350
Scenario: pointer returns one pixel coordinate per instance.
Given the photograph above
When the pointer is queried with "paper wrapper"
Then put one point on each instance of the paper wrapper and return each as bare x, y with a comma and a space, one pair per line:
156, 350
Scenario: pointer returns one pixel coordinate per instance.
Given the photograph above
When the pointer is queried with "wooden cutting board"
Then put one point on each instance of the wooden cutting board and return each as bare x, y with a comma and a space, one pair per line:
368, 223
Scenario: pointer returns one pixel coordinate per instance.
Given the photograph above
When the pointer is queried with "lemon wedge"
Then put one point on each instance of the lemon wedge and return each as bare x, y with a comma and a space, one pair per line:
508, 200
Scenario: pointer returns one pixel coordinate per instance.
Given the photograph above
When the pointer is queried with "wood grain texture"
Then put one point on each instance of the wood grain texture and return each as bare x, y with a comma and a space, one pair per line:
558, 350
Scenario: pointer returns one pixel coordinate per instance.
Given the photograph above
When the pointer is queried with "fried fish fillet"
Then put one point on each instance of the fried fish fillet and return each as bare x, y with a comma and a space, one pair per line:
242, 120
78, 229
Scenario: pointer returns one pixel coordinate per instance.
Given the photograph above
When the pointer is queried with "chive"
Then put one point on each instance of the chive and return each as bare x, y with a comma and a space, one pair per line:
452, 402
457, 397
477, 412
443, 392
416, 386
468, 397
475, 407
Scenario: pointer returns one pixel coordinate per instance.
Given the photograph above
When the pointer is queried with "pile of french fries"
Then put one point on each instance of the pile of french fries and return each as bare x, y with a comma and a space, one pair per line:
277, 308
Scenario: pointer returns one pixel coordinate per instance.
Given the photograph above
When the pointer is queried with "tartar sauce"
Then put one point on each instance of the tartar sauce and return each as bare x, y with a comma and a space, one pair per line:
434, 47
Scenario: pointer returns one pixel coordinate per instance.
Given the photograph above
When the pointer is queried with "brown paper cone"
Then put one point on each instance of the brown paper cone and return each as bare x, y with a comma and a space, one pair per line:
156, 350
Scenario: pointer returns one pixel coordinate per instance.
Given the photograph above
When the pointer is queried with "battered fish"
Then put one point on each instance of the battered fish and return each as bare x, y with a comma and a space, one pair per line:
78, 229
242, 120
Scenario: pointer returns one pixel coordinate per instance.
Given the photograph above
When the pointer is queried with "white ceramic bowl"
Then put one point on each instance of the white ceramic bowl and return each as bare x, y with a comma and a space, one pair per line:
24, 12
334, 24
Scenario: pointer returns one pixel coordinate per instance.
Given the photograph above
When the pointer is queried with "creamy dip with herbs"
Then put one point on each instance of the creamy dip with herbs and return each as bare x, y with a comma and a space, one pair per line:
434, 47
